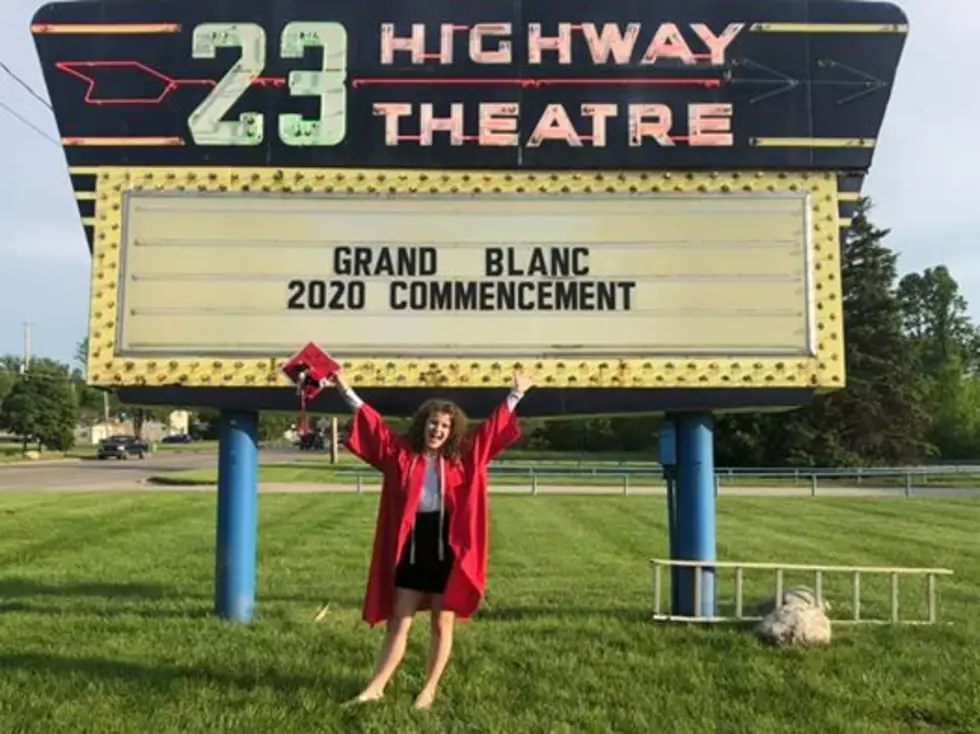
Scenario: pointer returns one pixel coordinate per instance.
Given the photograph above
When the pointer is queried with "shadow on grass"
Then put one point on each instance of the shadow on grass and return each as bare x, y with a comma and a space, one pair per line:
14, 587
627, 615
75, 598
339, 687
507, 613
76, 610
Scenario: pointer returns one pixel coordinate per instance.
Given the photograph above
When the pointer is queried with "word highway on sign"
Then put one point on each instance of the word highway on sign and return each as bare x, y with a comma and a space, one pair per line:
493, 43
708, 124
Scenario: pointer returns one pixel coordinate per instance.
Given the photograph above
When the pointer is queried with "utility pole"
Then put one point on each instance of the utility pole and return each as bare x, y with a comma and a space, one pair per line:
25, 365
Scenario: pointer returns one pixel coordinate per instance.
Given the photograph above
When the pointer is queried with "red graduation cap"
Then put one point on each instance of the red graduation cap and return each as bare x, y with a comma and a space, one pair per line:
308, 369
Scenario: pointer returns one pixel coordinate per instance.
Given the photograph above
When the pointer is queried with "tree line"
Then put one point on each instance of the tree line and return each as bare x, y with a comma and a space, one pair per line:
913, 385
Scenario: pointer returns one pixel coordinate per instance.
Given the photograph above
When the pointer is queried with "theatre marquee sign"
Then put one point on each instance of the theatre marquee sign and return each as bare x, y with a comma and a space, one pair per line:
439, 192
522, 277
452, 278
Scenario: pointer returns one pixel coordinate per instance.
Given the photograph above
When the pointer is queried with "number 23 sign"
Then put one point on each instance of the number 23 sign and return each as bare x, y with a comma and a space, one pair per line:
206, 123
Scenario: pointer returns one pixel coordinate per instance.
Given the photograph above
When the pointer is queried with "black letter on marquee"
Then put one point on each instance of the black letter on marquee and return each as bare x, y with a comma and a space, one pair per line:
392, 302
341, 260
495, 261
627, 287
362, 260
296, 288
580, 261
427, 261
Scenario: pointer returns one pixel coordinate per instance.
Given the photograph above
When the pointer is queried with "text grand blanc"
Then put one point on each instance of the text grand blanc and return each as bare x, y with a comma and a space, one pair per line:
515, 279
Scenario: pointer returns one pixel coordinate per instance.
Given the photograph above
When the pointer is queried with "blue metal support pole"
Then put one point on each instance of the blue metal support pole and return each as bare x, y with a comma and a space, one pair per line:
668, 464
672, 539
696, 508
237, 515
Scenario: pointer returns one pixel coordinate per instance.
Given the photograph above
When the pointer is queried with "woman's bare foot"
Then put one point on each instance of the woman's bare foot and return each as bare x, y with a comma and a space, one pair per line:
367, 696
423, 702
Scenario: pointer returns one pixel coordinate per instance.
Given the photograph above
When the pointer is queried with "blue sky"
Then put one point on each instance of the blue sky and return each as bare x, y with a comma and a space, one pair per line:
922, 180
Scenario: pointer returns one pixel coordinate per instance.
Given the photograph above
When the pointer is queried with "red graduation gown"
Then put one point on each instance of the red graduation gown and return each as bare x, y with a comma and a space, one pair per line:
465, 498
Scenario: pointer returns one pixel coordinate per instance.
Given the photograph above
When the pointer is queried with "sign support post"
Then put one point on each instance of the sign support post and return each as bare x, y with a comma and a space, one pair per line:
237, 515
695, 507
668, 464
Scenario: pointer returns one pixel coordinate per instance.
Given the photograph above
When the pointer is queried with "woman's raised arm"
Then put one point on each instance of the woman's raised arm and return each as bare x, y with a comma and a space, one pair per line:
370, 439
500, 430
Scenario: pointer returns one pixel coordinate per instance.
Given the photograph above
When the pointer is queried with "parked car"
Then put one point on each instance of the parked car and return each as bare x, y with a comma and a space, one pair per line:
312, 441
177, 438
122, 447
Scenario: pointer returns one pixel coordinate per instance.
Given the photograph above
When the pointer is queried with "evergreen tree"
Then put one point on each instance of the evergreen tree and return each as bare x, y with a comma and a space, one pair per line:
880, 416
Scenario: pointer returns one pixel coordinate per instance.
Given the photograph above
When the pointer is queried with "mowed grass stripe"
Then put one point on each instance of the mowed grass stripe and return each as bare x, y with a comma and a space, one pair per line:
99, 523
313, 556
888, 534
633, 526
533, 541
919, 515
119, 637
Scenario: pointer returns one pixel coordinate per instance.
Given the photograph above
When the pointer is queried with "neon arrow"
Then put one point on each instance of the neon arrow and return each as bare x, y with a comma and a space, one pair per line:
79, 70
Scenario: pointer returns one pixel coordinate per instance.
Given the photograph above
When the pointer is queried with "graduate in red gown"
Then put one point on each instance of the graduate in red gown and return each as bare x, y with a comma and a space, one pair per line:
430, 542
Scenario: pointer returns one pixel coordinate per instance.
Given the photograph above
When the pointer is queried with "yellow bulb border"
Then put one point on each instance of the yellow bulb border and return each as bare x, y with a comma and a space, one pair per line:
824, 371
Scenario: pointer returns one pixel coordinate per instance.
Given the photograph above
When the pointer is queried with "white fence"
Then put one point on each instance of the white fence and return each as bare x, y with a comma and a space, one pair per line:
625, 478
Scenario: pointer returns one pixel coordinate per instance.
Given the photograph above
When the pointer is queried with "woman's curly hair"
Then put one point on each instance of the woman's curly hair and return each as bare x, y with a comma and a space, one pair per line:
457, 432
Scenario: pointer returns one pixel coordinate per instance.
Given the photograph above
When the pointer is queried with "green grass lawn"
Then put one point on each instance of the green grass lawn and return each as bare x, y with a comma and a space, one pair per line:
105, 617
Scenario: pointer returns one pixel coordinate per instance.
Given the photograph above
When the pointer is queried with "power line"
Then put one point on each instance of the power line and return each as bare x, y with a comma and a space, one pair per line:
10, 110
21, 118
26, 86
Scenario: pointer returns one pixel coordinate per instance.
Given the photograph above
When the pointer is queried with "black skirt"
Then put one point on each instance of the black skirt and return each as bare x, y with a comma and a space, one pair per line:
427, 573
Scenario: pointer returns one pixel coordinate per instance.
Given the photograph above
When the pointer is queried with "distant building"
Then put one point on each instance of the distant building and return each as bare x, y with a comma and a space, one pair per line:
178, 422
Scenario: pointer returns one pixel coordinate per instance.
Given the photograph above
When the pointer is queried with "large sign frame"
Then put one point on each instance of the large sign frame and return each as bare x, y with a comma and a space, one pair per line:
436, 99
821, 369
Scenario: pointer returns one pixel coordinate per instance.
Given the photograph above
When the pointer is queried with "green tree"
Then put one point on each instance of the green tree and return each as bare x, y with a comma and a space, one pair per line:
934, 316
273, 424
741, 439
880, 416
639, 433
205, 424
7, 380
946, 348
81, 355
41, 408
577, 434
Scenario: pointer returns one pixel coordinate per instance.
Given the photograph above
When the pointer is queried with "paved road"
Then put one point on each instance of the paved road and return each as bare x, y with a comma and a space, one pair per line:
92, 474
87, 476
